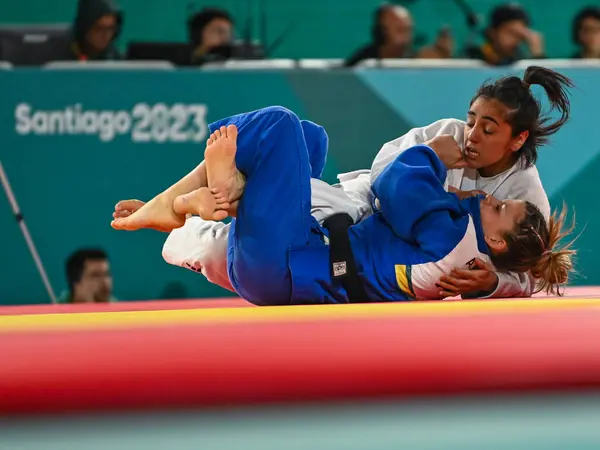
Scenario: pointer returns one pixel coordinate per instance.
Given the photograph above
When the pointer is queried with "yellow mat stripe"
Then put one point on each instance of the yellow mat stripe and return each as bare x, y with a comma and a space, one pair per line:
108, 320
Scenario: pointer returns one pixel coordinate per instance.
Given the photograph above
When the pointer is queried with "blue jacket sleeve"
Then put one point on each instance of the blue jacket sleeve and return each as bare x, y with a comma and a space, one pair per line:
416, 206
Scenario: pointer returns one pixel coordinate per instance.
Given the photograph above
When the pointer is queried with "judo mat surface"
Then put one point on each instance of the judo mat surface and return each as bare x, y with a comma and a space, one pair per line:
222, 374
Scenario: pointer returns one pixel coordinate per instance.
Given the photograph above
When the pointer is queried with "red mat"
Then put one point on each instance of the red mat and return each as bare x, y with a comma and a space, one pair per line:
290, 354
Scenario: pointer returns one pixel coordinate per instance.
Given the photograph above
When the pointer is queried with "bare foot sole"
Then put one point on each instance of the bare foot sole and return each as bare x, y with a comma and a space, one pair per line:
200, 203
226, 183
157, 214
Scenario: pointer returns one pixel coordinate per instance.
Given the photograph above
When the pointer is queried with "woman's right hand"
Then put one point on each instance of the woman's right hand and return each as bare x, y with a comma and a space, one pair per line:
448, 150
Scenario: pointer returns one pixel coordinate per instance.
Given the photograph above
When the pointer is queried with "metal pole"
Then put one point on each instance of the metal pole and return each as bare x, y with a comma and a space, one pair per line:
35, 255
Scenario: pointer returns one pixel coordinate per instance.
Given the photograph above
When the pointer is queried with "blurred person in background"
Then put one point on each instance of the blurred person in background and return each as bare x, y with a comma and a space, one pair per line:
507, 32
211, 35
97, 25
586, 32
391, 36
89, 277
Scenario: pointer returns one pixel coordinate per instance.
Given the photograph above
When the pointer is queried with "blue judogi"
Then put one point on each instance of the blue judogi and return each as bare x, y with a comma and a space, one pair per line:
277, 251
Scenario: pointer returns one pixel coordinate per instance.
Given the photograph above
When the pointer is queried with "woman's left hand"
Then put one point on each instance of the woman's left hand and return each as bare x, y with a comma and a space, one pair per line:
480, 278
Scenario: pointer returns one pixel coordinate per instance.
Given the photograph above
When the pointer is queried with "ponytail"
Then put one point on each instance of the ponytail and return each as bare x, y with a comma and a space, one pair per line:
555, 85
555, 265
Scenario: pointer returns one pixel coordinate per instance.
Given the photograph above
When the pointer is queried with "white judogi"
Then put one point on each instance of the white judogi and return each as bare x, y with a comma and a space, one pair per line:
202, 246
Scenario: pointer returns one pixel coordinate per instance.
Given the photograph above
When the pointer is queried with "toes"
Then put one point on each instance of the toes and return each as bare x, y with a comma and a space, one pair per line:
128, 206
220, 215
217, 134
223, 131
232, 131
117, 224
121, 214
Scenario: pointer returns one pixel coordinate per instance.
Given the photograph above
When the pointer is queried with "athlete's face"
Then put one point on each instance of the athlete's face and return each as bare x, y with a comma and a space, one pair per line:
499, 218
489, 142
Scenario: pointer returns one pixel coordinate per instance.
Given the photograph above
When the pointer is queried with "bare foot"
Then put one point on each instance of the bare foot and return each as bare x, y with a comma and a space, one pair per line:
200, 203
226, 183
157, 214
125, 208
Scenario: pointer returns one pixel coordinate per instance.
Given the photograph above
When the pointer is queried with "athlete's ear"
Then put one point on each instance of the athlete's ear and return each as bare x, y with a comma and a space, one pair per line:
518, 141
496, 244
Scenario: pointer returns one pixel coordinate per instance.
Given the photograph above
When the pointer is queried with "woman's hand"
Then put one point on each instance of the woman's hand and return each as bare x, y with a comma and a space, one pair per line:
448, 150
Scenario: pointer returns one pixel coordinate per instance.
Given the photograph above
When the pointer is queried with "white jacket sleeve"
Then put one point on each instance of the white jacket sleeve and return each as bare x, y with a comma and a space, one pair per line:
513, 285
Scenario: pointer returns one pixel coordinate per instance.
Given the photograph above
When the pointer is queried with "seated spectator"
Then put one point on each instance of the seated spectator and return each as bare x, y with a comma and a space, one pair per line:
586, 32
96, 27
392, 36
211, 35
508, 29
89, 278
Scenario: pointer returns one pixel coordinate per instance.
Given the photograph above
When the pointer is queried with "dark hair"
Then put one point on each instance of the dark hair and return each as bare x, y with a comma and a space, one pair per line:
200, 20
589, 12
76, 263
525, 111
507, 13
377, 33
531, 247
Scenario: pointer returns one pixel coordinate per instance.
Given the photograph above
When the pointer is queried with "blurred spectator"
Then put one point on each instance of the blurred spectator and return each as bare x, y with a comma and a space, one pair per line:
211, 35
97, 26
442, 48
89, 278
507, 31
391, 36
586, 32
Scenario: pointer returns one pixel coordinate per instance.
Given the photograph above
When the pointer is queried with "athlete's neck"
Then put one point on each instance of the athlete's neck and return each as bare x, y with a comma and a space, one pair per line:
499, 167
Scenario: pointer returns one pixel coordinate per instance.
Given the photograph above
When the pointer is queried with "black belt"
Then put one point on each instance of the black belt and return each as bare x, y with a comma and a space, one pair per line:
343, 266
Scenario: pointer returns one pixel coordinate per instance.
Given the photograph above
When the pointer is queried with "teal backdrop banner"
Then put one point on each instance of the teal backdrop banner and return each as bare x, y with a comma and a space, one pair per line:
74, 142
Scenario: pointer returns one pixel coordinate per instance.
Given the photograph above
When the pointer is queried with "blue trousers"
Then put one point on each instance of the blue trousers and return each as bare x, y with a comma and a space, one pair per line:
278, 154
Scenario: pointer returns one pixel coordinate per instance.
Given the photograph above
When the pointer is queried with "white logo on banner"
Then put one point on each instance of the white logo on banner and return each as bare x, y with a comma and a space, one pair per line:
144, 122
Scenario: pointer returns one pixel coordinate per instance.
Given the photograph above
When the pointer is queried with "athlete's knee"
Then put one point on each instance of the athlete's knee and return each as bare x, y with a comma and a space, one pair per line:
317, 143
314, 130
277, 113
197, 245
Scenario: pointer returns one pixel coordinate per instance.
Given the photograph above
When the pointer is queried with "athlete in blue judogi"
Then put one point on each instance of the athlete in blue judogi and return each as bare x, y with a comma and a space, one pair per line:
279, 254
